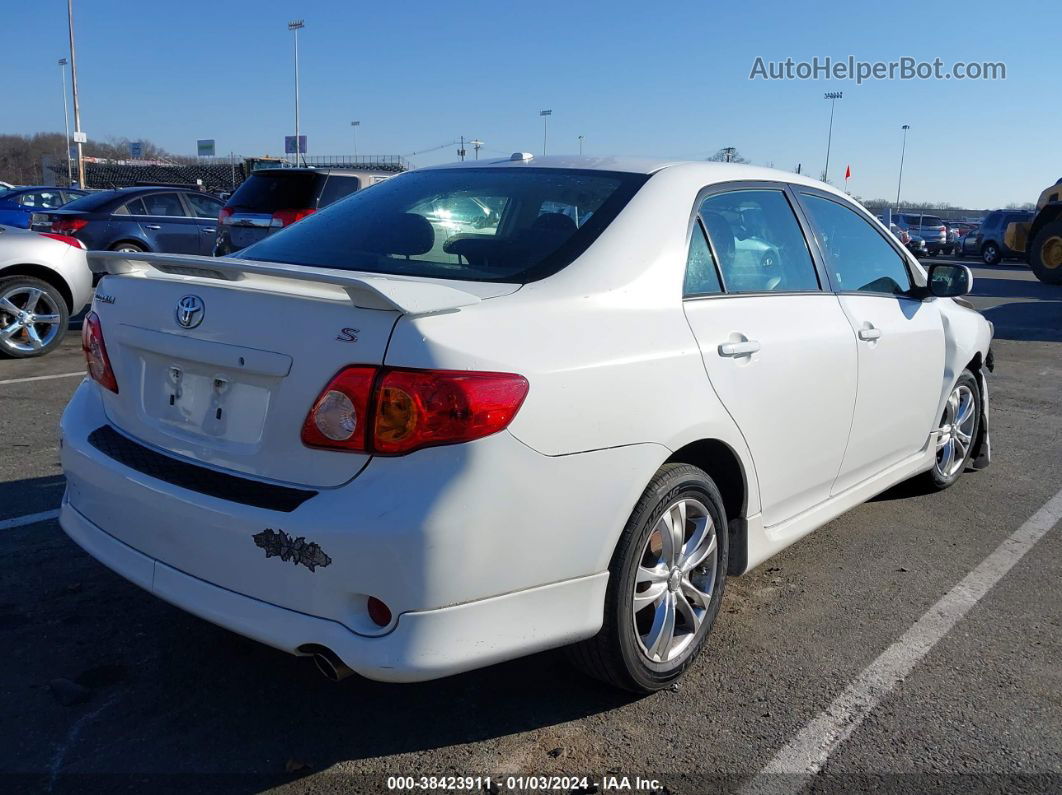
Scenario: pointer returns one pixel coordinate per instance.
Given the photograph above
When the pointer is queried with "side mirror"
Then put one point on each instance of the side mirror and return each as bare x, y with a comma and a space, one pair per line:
949, 281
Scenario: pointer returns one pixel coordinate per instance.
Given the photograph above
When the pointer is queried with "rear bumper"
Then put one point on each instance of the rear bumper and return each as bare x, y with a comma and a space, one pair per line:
483, 551
423, 645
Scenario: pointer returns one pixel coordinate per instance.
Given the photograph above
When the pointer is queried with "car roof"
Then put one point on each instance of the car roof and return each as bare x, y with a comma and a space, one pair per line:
708, 171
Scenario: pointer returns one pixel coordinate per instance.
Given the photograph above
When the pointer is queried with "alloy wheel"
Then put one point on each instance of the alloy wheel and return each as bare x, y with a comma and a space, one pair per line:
29, 319
674, 582
956, 431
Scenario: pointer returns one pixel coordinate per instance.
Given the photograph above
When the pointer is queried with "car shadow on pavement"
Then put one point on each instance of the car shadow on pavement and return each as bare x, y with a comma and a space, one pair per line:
150, 691
32, 495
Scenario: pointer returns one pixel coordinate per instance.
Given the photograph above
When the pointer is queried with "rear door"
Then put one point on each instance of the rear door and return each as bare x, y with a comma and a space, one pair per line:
166, 224
900, 339
777, 348
205, 209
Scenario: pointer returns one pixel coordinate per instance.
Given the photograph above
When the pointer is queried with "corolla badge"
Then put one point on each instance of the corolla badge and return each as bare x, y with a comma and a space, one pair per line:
190, 311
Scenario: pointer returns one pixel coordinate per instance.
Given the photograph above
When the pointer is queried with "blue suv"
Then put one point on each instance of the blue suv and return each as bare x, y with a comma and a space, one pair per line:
162, 219
18, 204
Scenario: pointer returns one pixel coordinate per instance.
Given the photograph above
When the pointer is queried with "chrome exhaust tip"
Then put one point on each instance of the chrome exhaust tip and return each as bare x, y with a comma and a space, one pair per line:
331, 667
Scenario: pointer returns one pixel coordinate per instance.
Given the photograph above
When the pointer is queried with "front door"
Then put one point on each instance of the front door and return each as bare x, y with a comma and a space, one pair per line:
777, 348
900, 339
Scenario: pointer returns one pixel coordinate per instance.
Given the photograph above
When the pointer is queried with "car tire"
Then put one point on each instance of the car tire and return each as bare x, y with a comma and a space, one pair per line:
677, 586
1045, 253
959, 425
44, 301
990, 254
128, 247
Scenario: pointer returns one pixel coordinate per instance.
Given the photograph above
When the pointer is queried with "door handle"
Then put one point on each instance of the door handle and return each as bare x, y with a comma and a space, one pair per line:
152, 226
739, 348
209, 230
869, 334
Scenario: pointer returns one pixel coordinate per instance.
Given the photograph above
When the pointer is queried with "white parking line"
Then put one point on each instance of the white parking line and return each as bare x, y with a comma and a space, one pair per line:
804, 756
32, 518
41, 377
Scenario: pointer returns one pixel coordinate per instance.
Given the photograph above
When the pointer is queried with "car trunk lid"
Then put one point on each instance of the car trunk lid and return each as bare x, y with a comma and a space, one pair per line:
220, 360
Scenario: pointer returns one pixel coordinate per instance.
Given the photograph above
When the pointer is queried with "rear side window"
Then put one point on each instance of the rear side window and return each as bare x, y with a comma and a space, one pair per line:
701, 276
859, 258
135, 207
277, 189
507, 224
337, 187
992, 219
758, 242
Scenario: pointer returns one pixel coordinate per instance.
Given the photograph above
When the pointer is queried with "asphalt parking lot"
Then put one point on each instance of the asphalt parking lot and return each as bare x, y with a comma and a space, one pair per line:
106, 686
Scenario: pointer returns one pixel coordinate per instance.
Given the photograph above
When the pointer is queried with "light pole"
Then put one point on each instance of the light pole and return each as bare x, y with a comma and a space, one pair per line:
77, 107
295, 26
66, 119
545, 114
355, 125
903, 151
581, 138
476, 144
833, 96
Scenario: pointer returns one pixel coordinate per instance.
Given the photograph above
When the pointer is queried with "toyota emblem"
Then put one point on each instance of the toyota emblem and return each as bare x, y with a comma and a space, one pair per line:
190, 311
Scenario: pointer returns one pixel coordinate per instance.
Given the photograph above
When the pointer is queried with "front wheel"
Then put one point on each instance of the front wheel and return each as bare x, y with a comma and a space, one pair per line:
957, 432
665, 585
33, 317
990, 254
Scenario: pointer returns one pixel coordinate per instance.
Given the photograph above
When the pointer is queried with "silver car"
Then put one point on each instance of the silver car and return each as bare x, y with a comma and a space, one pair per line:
44, 280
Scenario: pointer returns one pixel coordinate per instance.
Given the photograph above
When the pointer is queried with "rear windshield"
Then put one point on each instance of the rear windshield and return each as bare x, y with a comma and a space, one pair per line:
932, 220
276, 190
482, 224
92, 201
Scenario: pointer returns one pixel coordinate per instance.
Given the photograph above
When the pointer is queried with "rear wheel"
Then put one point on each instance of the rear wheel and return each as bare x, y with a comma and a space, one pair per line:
990, 254
1045, 253
33, 317
957, 432
128, 248
665, 584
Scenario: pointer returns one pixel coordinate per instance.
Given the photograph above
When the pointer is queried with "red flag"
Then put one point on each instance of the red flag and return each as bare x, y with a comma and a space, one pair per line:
848, 173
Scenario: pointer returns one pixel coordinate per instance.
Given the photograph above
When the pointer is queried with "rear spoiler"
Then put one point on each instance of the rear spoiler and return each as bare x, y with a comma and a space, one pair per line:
409, 296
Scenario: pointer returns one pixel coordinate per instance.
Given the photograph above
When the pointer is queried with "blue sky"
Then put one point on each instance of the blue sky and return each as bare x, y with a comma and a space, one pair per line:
664, 79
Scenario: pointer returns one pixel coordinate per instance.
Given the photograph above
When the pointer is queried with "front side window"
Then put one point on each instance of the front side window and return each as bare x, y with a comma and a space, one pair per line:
507, 224
859, 258
758, 242
701, 276
203, 206
42, 200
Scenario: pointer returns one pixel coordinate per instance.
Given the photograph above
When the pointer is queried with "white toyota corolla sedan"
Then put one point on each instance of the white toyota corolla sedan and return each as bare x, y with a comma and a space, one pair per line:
486, 409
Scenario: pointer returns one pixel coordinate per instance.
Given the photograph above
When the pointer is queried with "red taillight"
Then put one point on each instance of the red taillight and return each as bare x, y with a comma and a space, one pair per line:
288, 217
70, 241
96, 360
393, 412
68, 226
225, 216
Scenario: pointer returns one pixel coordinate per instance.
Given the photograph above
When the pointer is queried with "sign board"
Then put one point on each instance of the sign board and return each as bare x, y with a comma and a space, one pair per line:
80, 137
204, 147
136, 150
289, 145
73, 153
